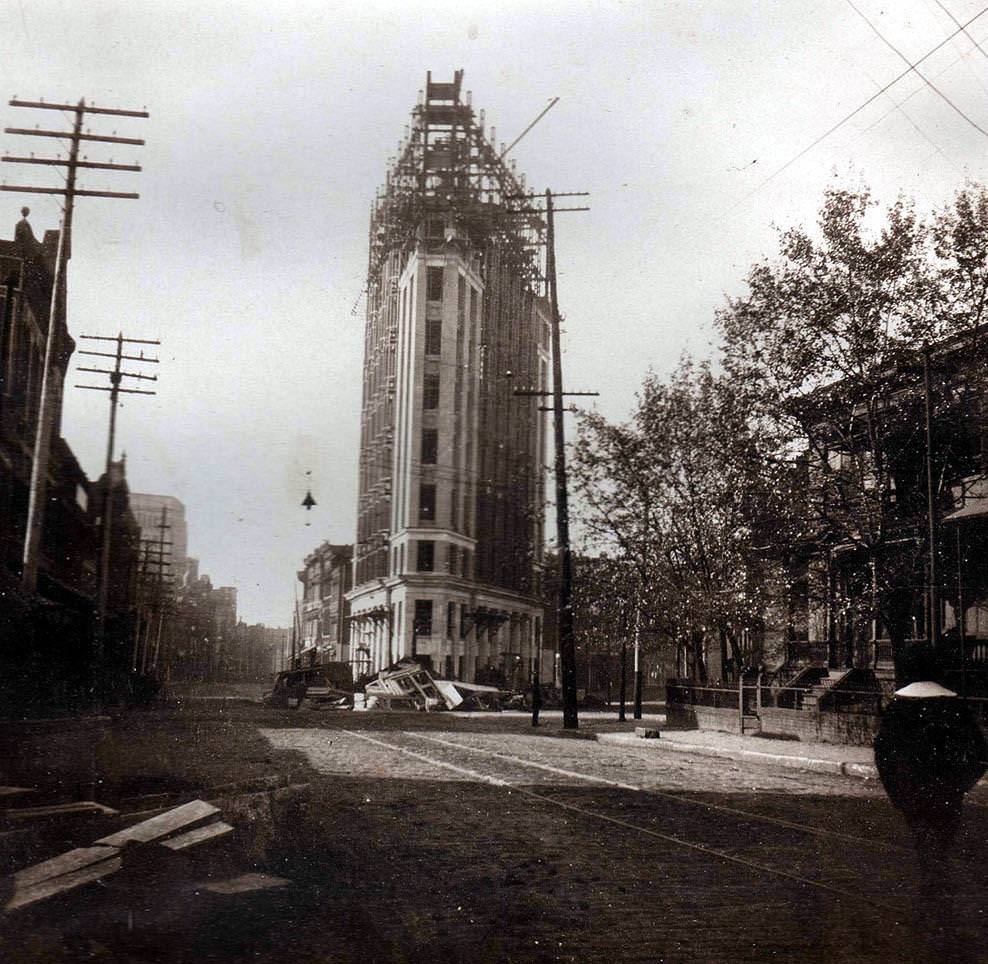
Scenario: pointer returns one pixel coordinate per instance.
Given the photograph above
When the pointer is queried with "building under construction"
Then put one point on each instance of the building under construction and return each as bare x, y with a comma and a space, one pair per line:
450, 515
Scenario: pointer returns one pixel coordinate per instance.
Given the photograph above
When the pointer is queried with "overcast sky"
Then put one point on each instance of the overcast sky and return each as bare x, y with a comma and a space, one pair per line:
271, 125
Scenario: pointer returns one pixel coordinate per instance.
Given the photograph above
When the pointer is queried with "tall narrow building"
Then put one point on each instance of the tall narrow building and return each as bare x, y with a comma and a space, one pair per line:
450, 514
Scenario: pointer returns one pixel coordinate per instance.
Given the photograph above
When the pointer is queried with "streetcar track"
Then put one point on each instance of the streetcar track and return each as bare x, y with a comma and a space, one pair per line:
678, 798
713, 852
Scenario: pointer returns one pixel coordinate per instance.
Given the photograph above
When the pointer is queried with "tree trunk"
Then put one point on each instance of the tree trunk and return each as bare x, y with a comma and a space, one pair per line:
624, 677
699, 663
896, 609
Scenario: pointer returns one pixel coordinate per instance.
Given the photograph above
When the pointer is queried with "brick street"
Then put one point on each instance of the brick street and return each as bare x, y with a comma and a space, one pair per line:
605, 889
458, 838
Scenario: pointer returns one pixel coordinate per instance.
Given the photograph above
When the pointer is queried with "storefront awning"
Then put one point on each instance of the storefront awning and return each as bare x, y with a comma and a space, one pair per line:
976, 508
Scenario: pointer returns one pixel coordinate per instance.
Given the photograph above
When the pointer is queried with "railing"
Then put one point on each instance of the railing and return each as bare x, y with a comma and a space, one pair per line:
784, 698
838, 699
979, 708
852, 701
719, 697
883, 651
791, 697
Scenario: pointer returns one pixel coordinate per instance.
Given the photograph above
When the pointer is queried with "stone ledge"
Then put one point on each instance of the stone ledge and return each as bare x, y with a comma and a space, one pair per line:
863, 771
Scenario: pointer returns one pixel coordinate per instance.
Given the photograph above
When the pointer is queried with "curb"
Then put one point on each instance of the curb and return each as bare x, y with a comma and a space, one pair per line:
847, 768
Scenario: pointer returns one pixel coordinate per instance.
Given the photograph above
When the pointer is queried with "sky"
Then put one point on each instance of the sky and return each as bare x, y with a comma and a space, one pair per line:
270, 129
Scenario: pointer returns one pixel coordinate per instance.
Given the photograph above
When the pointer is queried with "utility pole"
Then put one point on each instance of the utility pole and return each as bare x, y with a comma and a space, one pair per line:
116, 375
624, 663
144, 607
638, 663
564, 621
931, 509
148, 604
150, 661
46, 409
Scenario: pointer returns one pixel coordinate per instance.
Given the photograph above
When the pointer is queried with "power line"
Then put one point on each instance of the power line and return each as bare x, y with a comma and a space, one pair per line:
905, 100
898, 106
957, 23
552, 103
929, 83
857, 110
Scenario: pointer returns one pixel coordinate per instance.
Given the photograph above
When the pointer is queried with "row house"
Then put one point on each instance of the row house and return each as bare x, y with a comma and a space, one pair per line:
898, 528
323, 629
45, 637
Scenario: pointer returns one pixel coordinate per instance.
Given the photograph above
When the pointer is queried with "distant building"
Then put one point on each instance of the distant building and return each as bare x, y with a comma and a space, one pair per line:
164, 535
450, 528
125, 538
262, 651
323, 618
203, 639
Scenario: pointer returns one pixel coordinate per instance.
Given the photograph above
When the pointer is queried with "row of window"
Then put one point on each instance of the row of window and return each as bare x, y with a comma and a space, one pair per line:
423, 624
458, 558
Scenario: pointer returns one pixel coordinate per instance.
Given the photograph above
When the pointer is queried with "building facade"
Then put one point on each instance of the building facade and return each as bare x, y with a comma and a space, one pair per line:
202, 641
450, 522
326, 578
68, 543
46, 637
893, 557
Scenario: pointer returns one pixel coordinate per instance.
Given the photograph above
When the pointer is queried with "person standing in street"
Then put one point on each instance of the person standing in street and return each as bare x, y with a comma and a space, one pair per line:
929, 752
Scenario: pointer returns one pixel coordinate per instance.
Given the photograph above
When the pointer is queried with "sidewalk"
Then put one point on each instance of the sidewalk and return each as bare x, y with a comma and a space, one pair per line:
851, 761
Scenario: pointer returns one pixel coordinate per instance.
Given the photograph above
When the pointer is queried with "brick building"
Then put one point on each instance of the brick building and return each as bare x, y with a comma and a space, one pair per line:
203, 635
326, 579
46, 637
66, 563
450, 528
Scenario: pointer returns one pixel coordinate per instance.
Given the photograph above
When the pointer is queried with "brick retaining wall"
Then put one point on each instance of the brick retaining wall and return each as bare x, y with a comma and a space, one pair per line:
852, 729
702, 718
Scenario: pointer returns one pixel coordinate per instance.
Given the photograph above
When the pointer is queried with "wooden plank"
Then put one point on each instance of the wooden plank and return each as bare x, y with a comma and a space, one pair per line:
66, 863
164, 825
16, 791
244, 884
197, 836
59, 810
59, 885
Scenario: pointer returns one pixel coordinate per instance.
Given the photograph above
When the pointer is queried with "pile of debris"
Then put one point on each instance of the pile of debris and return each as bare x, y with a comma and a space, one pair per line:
408, 685
321, 687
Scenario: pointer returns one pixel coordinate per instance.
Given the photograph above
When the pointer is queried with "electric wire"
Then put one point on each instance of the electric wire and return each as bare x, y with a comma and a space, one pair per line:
957, 23
929, 83
857, 110
911, 95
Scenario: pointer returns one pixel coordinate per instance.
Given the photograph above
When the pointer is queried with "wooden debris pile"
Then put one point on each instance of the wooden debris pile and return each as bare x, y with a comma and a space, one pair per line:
408, 685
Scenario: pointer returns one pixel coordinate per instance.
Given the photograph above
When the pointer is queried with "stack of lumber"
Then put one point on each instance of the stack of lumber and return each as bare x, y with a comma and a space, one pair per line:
175, 831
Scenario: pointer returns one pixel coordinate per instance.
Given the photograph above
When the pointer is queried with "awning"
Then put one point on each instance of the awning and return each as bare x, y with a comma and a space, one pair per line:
972, 493
973, 508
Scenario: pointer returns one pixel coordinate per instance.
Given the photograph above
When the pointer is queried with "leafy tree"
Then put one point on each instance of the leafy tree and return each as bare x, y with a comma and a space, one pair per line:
826, 344
684, 494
